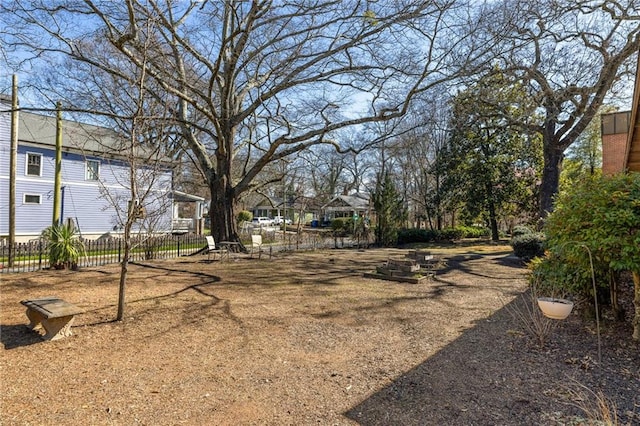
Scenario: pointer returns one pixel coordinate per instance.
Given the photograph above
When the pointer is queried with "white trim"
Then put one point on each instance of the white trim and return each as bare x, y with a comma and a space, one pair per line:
87, 176
25, 195
26, 163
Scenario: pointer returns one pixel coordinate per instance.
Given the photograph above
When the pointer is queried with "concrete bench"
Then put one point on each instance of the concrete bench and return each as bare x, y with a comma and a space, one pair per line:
53, 314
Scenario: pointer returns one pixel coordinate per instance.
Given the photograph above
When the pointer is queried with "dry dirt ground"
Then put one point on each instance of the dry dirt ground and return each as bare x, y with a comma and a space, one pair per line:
305, 339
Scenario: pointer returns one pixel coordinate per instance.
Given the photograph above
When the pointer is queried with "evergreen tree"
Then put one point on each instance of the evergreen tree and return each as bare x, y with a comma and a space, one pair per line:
390, 211
489, 163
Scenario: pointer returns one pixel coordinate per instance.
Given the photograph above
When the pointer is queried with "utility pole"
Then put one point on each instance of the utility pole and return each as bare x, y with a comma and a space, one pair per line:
57, 183
12, 169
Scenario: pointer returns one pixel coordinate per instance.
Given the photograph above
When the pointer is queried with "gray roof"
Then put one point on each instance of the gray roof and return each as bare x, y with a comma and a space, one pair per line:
86, 139
41, 130
356, 201
180, 196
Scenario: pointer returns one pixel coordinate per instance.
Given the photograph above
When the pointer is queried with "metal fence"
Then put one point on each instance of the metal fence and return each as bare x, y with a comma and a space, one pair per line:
33, 255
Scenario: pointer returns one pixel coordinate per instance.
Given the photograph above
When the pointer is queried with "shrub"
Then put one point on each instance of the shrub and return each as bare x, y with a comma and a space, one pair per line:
413, 235
528, 246
244, 216
473, 231
64, 246
519, 230
450, 234
552, 276
338, 224
600, 217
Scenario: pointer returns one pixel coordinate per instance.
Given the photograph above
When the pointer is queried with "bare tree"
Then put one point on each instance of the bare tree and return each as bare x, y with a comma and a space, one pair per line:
253, 82
418, 148
570, 55
137, 185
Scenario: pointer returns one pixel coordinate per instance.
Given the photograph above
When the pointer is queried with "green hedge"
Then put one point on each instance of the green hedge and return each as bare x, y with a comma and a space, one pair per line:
528, 246
413, 235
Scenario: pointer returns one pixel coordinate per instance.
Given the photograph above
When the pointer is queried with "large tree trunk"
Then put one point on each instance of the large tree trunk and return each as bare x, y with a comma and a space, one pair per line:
550, 175
495, 234
491, 205
222, 212
636, 304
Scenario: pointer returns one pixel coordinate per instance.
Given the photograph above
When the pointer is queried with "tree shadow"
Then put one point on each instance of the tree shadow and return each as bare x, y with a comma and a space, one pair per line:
457, 384
200, 288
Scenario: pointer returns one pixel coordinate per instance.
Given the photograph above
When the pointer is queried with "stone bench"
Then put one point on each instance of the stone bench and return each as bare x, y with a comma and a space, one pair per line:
53, 314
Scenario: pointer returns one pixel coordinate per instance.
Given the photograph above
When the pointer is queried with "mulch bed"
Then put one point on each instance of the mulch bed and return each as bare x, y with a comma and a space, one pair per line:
305, 338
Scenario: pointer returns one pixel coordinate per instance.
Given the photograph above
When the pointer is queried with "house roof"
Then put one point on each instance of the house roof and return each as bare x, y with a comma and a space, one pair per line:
633, 139
87, 139
181, 197
356, 201
40, 129
267, 201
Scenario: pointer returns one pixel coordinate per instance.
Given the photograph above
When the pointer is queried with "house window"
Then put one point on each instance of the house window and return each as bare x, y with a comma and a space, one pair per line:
31, 199
615, 123
93, 170
34, 164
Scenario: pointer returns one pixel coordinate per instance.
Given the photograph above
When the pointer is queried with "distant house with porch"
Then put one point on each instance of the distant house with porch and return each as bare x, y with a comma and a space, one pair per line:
188, 213
95, 179
271, 206
267, 206
347, 206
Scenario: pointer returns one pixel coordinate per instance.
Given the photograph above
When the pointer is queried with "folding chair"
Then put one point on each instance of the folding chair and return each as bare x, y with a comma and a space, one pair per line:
256, 244
211, 248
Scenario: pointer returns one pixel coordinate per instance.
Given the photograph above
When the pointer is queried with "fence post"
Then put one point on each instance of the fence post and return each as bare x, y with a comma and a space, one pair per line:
40, 254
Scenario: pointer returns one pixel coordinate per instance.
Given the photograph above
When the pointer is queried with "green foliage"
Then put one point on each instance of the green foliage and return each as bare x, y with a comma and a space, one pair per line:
584, 157
528, 246
390, 211
64, 246
338, 224
521, 230
451, 234
492, 166
601, 215
597, 219
555, 276
244, 216
473, 231
413, 235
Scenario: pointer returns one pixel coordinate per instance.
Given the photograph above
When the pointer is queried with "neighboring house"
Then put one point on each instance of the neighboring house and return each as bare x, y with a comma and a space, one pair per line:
274, 206
188, 213
347, 206
621, 136
267, 207
95, 179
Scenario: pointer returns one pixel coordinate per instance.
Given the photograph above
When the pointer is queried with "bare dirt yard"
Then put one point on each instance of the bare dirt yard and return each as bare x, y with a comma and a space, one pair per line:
303, 339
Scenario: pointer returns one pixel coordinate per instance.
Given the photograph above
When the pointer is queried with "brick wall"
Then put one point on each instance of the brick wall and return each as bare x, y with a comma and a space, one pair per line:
613, 153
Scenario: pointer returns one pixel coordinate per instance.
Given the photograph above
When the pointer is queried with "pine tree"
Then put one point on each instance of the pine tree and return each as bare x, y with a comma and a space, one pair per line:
390, 211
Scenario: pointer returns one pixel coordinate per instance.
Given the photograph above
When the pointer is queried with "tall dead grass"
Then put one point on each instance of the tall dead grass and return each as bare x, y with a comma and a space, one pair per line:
527, 314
